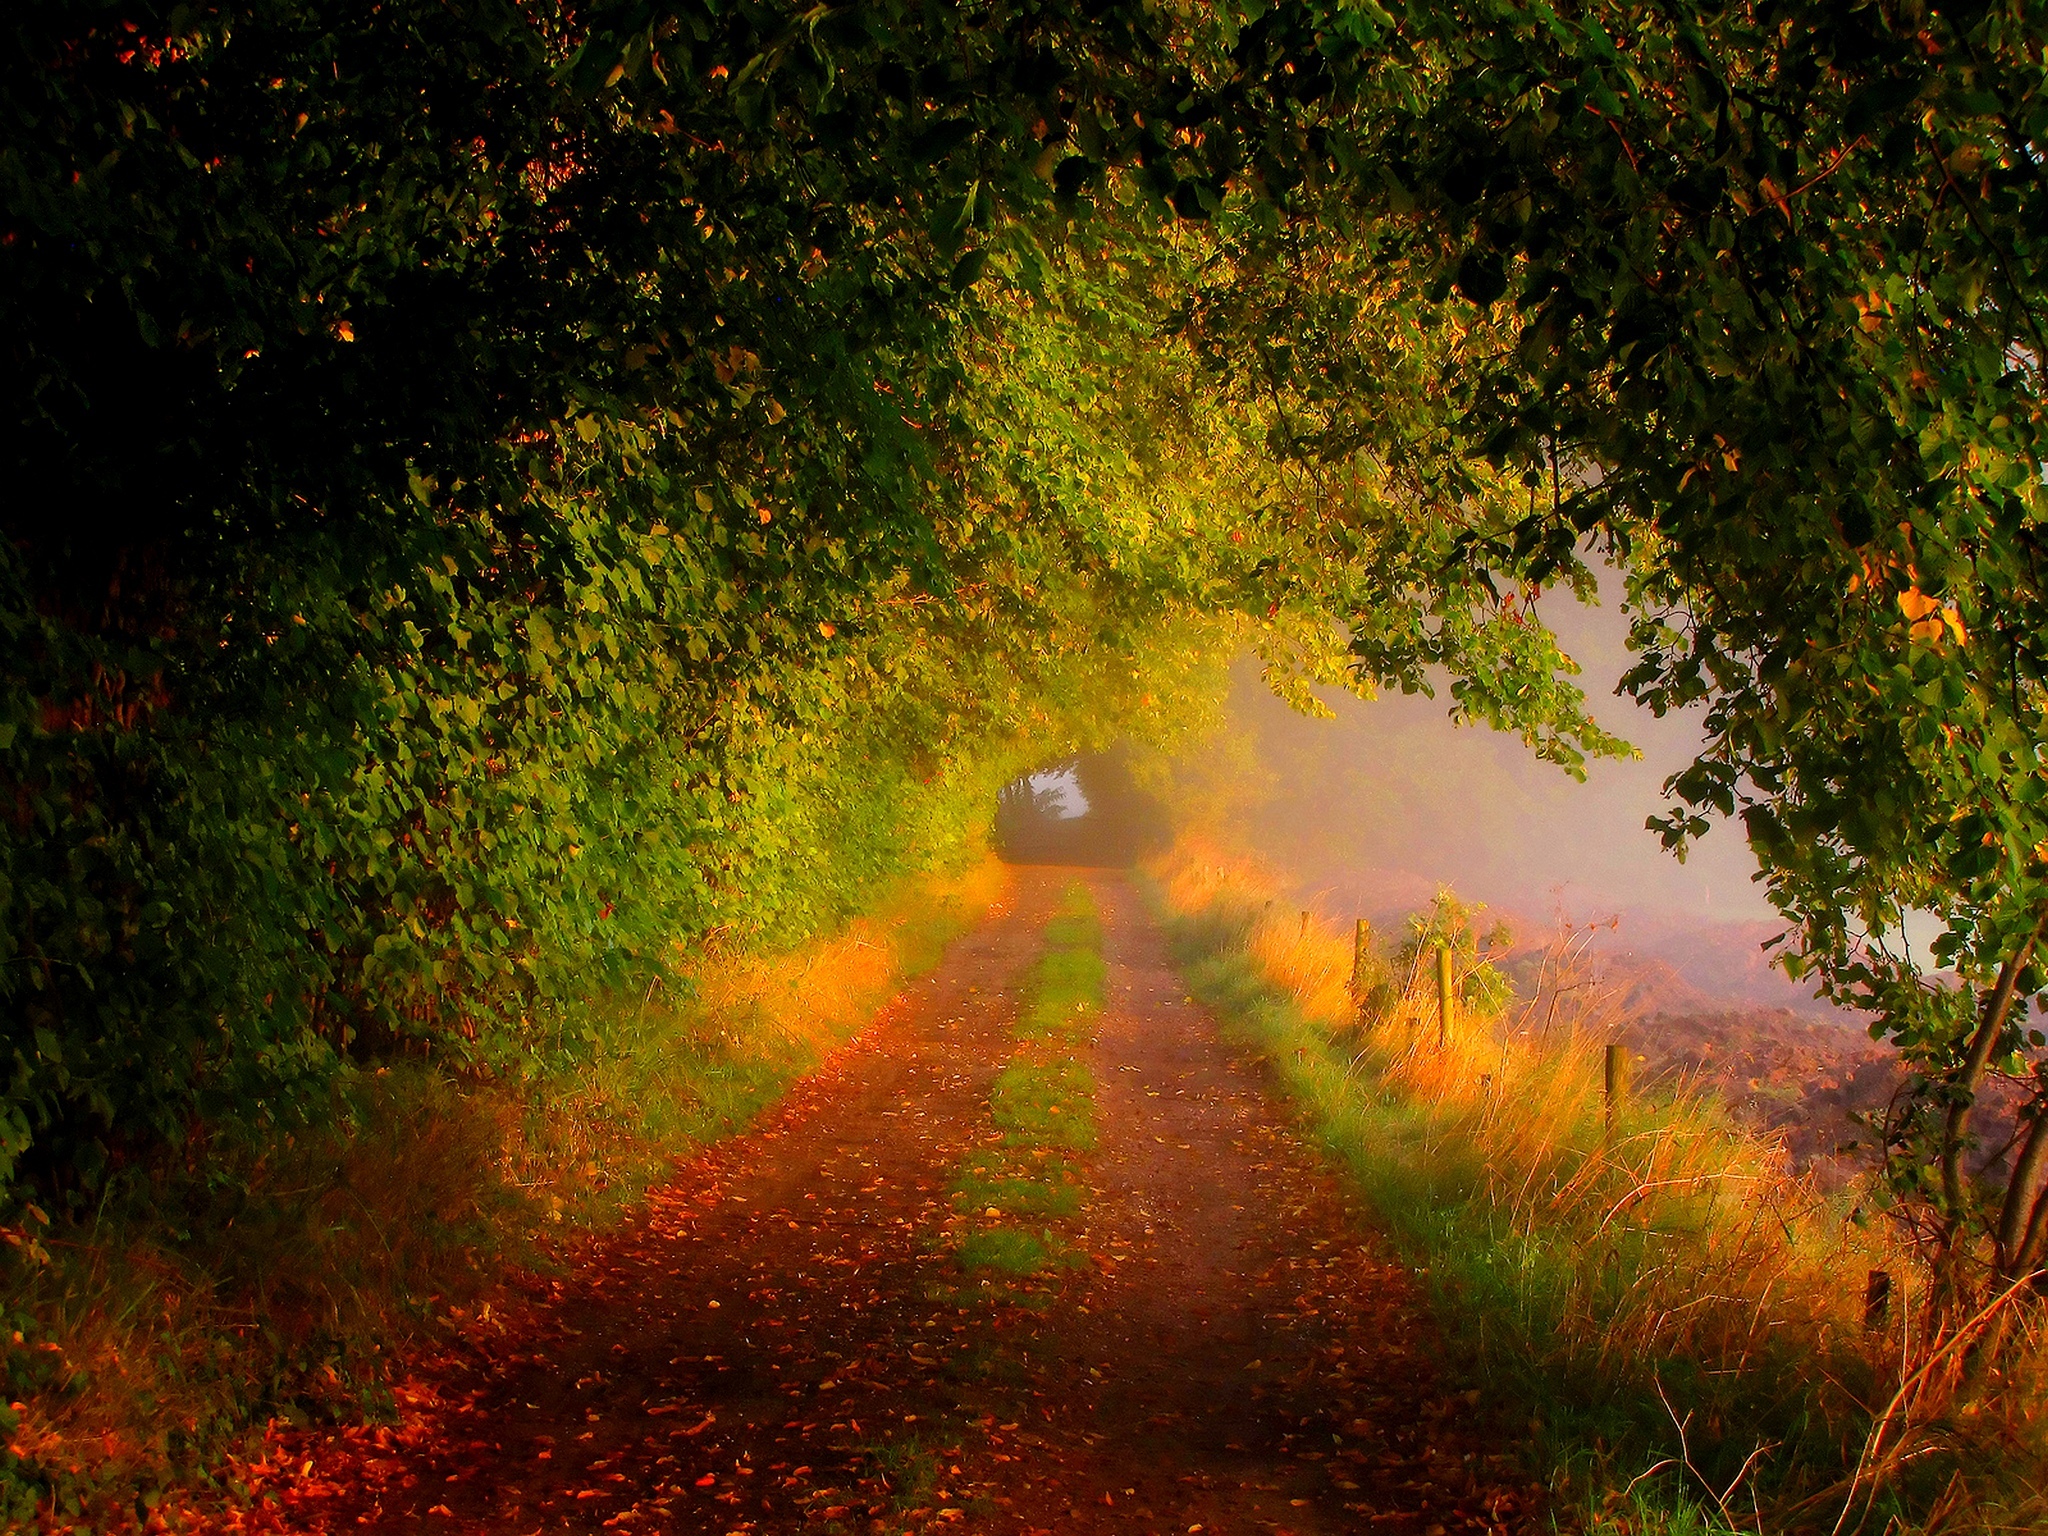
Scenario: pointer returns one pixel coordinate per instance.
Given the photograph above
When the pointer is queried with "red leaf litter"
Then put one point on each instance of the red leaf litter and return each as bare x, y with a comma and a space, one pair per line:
784, 1339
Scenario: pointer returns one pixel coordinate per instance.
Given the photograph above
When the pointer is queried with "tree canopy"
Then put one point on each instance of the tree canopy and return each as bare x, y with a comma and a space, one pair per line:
496, 490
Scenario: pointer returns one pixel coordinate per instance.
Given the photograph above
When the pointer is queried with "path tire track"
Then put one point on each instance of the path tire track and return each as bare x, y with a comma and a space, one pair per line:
783, 1340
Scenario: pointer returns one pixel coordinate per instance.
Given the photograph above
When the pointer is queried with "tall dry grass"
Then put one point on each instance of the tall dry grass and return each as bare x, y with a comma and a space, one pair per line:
1682, 1312
277, 1275
671, 1071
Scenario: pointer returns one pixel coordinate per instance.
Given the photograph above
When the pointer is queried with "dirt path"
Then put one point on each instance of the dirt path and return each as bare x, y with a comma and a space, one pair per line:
785, 1343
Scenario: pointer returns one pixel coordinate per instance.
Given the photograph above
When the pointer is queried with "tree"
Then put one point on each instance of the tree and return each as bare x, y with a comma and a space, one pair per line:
477, 530
1747, 298
353, 341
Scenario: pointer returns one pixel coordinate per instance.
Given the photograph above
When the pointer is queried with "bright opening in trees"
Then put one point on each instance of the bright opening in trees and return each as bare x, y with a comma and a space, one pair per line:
522, 516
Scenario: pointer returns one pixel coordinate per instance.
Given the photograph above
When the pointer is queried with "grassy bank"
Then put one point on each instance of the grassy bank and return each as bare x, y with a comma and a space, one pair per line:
260, 1277
1678, 1316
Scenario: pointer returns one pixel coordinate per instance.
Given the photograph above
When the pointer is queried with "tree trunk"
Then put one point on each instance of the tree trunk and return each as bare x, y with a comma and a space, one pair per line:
1997, 1008
2023, 1217
2020, 1222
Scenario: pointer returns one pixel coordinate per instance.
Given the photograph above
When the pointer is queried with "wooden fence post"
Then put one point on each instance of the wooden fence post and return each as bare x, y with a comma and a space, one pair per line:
1446, 997
1361, 959
1617, 1082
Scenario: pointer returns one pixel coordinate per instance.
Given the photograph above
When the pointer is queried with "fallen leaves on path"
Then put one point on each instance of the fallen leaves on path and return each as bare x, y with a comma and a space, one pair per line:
785, 1341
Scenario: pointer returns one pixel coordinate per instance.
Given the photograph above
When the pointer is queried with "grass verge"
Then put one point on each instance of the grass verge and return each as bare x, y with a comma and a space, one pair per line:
278, 1277
1677, 1313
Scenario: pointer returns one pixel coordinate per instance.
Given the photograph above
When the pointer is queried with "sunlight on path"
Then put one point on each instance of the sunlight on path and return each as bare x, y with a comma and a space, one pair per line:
786, 1340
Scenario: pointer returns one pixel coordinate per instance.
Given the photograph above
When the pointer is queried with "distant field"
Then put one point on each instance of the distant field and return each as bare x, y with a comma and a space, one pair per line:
1804, 1078
1699, 1001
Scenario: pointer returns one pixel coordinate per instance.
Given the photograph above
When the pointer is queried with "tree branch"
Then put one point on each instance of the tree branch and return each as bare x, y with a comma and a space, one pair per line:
2021, 1194
1997, 1006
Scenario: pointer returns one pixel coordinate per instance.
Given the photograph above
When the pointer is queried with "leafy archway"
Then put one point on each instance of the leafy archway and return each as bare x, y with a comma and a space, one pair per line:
497, 488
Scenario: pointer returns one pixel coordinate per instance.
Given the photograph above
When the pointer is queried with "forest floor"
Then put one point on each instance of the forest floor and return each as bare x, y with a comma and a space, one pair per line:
785, 1339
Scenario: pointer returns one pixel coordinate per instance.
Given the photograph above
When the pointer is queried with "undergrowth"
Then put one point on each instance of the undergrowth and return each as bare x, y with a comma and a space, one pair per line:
1680, 1315
267, 1277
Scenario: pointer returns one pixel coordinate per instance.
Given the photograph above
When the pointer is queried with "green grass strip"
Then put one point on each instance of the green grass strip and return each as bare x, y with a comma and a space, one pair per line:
1043, 1101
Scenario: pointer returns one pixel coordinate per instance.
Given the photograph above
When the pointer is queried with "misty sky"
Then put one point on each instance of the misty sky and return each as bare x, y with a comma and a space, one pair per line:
1390, 791
1371, 813
1063, 783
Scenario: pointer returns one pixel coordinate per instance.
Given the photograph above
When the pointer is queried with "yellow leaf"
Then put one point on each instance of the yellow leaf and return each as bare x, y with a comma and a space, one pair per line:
1916, 604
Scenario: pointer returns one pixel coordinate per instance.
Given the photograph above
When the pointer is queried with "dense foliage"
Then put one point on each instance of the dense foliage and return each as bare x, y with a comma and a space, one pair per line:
1750, 298
495, 490
407, 662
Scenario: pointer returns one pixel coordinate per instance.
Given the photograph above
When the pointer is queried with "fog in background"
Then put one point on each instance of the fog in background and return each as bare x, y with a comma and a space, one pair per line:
1370, 813
1067, 799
